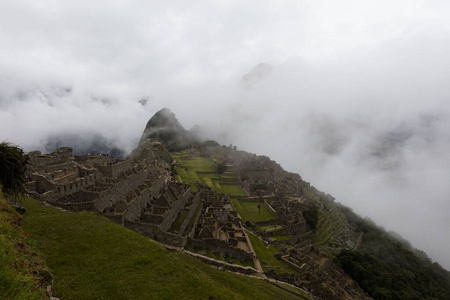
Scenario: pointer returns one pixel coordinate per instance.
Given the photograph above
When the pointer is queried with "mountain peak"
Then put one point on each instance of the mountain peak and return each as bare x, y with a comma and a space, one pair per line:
165, 127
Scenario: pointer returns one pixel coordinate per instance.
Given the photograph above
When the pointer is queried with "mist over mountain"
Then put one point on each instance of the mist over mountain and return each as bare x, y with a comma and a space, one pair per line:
83, 143
351, 95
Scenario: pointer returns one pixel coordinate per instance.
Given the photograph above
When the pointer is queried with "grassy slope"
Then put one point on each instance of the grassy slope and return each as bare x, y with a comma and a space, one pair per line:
93, 258
21, 267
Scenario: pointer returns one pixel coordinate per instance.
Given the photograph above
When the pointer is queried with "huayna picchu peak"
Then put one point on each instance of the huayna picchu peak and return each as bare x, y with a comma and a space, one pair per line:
238, 212
165, 127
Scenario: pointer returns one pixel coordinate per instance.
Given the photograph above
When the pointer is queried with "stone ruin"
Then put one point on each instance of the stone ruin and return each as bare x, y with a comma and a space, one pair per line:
284, 196
219, 227
141, 194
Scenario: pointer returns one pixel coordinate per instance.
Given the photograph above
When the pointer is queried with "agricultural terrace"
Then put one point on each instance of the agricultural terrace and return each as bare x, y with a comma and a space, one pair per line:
202, 169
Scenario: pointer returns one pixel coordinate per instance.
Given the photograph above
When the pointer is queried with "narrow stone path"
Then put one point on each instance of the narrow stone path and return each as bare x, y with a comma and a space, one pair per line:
256, 262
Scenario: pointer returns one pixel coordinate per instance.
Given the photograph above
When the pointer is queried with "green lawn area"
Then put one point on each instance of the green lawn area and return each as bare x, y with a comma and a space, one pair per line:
254, 214
267, 255
249, 211
241, 210
234, 189
282, 237
94, 258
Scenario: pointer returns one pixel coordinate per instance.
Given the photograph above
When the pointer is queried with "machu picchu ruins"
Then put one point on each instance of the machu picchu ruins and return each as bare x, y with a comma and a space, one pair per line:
181, 199
223, 209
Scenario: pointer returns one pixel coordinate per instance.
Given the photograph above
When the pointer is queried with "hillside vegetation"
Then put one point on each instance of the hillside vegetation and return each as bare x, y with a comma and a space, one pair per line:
23, 274
388, 269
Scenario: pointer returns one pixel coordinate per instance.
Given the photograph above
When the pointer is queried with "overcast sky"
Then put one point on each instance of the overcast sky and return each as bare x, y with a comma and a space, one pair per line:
352, 95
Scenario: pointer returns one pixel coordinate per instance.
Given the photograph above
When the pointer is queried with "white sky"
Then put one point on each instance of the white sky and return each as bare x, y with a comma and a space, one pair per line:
357, 100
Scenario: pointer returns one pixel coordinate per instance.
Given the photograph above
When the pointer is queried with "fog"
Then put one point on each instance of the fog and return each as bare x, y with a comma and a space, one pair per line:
352, 95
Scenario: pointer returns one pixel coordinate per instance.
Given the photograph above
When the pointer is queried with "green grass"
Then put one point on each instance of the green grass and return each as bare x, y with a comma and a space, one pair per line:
234, 189
241, 210
267, 254
211, 179
249, 211
282, 237
20, 265
254, 214
193, 165
94, 258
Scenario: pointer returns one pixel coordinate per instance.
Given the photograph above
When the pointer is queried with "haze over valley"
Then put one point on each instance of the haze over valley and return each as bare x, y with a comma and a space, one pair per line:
352, 96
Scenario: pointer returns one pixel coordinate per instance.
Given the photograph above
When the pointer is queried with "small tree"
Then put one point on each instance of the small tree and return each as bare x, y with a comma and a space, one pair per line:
221, 168
13, 165
259, 188
311, 217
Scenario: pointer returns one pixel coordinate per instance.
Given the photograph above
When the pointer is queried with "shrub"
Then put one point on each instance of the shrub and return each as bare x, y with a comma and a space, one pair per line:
311, 217
221, 168
13, 165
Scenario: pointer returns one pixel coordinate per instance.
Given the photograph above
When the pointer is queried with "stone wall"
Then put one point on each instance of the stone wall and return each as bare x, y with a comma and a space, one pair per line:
267, 223
88, 195
285, 258
154, 232
175, 210
67, 177
190, 215
222, 247
76, 185
78, 206
224, 265
54, 168
270, 208
41, 161
31, 186
92, 161
157, 187
152, 219
276, 232
134, 210
42, 183
119, 191
197, 217
113, 171
136, 207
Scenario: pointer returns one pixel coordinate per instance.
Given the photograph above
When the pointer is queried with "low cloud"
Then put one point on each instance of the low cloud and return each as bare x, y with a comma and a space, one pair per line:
352, 96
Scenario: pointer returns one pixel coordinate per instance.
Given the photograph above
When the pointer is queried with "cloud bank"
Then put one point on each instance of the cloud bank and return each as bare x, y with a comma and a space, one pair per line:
351, 95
